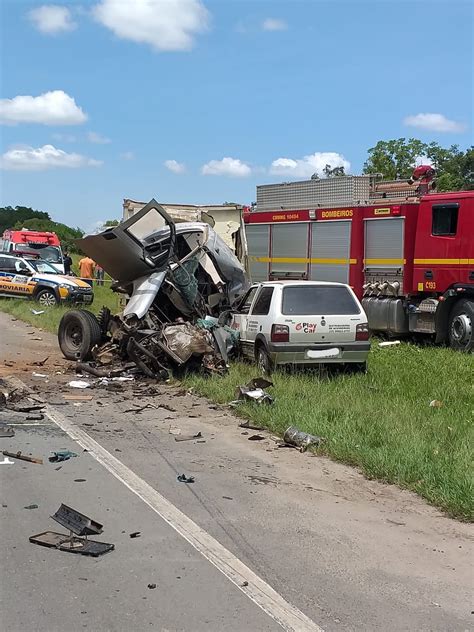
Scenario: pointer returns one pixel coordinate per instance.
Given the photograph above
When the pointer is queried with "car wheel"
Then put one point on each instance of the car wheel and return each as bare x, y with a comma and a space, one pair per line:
78, 333
263, 360
461, 326
47, 298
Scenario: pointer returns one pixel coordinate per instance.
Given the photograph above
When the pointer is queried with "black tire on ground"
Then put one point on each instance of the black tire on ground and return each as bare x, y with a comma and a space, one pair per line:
79, 331
461, 326
264, 362
47, 298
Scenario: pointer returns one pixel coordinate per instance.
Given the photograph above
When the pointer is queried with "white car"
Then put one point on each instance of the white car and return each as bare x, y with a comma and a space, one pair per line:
302, 323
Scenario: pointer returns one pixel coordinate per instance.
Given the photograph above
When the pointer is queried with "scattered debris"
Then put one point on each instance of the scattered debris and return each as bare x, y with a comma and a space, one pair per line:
299, 439
435, 403
39, 362
182, 478
61, 455
79, 480
79, 384
174, 430
188, 437
253, 392
389, 343
35, 417
31, 507
80, 398
77, 524
43, 375
151, 586
227, 497
37, 312
247, 424
22, 457
6, 431
256, 437
170, 409
135, 534
245, 584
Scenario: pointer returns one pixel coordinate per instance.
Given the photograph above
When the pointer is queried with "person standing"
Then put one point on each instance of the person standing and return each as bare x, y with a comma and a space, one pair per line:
86, 269
67, 261
99, 274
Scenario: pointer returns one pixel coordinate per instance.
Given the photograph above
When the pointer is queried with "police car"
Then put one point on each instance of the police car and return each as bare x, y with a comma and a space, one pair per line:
34, 278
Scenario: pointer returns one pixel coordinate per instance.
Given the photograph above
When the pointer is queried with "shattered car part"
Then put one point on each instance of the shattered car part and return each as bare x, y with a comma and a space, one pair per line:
300, 439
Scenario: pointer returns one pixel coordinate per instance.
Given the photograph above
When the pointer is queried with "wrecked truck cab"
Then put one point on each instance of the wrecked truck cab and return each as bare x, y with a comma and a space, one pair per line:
174, 275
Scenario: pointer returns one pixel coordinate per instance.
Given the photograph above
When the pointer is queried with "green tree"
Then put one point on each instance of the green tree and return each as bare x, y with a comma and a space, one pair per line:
10, 216
395, 159
110, 223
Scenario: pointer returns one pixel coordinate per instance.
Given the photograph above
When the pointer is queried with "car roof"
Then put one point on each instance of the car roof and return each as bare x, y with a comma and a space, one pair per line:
292, 283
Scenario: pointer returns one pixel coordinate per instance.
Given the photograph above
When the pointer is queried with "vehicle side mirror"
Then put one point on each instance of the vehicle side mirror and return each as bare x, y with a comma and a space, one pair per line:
22, 269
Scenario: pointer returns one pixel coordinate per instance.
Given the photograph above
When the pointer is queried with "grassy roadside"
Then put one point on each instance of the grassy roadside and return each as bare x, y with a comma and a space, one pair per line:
380, 422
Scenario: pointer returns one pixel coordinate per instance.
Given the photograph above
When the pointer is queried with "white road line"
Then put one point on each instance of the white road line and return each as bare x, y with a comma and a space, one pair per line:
253, 586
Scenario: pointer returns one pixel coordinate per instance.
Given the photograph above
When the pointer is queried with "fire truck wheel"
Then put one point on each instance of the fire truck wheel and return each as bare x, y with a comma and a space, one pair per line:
79, 331
263, 360
461, 326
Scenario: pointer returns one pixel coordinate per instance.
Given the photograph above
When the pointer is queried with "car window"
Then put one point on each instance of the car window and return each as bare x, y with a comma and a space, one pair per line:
262, 304
7, 264
445, 220
43, 267
318, 300
244, 305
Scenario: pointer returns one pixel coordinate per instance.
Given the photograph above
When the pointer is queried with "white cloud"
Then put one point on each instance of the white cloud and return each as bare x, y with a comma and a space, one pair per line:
127, 155
66, 138
175, 166
43, 158
51, 108
434, 123
97, 139
274, 24
423, 160
226, 167
306, 166
51, 19
168, 25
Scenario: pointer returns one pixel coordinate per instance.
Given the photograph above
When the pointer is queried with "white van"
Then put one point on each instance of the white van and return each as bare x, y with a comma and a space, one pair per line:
303, 323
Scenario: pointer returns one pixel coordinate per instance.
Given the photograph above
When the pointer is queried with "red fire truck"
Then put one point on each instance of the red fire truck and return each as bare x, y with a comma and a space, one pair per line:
46, 245
407, 251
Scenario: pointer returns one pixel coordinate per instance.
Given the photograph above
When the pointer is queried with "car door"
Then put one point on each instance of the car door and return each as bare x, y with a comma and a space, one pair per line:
136, 248
240, 320
12, 281
258, 322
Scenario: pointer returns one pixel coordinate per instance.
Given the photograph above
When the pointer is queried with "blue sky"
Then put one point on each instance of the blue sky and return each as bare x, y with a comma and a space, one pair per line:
264, 84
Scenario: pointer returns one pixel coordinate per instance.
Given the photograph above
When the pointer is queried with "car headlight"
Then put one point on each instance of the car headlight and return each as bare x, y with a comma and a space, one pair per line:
65, 286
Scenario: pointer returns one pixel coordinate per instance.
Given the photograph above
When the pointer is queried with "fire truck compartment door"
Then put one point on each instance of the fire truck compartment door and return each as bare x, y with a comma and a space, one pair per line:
258, 242
289, 250
330, 251
384, 243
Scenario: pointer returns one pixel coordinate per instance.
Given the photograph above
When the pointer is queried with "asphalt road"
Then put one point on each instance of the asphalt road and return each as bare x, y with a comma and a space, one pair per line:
337, 550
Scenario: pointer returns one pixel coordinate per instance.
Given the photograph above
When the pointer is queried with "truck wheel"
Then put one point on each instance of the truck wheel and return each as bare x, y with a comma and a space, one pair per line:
461, 326
47, 298
78, 333
263, 360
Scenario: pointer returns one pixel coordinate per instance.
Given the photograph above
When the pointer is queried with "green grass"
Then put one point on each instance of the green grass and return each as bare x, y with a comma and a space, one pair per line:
381, 422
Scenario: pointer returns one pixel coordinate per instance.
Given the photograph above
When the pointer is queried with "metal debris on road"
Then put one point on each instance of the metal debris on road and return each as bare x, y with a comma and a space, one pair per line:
79, 384
35, 417
253, 392
188, 437
182, 478
299, 439
61, 455
80, 398
249, 426
151, 586
78, 524
135, 534
389, 343
256, 437
22, 457
6, 432
37, 312
31, 507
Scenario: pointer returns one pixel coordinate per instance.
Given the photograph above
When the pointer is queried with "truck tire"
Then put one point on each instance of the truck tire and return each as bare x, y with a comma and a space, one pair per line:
264, 362
47, 298
461, 326
78, 333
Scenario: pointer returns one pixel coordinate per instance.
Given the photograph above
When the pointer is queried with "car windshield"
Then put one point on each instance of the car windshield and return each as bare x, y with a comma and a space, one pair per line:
318, 300
48, 253
43, 267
